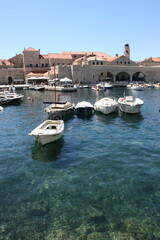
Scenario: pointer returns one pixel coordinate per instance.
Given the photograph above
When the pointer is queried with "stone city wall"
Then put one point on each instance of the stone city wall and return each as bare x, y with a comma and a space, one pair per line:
12, 73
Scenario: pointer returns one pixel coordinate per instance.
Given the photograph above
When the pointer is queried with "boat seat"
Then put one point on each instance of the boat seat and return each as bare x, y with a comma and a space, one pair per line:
51, 127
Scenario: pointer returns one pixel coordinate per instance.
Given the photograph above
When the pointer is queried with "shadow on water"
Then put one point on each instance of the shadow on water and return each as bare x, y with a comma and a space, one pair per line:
85, 117
48, 153
130, 118
106, 118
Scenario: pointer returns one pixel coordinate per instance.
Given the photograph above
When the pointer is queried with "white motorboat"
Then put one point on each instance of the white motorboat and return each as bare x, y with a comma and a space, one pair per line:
84, 108
11, 97
31, 87
136, 87
131, 105
1, 108
60, 109
39, 88
48, 131
108, 85
106, 105
98, 87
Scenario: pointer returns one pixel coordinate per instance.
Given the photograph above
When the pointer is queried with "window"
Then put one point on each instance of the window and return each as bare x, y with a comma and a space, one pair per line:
125, 62
42, 65
121, 62
46, 65
117, 62
97, 63
101, 63
36, 65
30, 65
128, 62
93, 63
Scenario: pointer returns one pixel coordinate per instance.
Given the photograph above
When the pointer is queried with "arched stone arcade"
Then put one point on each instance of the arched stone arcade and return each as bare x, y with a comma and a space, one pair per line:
138, 77
108, 76
10, 80
123, 77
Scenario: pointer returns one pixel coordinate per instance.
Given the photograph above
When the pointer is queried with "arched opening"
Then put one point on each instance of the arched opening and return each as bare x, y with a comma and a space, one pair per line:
122, 77
107, 76
138, 77
10, 80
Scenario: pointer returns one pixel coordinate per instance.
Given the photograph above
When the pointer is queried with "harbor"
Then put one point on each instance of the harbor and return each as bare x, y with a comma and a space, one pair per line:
100, 180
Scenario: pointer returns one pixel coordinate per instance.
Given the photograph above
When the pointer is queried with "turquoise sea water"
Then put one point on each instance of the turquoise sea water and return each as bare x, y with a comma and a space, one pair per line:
100, 181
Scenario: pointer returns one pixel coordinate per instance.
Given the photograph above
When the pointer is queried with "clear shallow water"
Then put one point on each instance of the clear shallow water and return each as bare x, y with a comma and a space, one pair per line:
100, 181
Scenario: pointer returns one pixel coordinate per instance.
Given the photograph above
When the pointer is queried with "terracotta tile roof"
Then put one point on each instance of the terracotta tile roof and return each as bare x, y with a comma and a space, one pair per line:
36, 73
156, 59
95, 58
151, 59
145, 59
99, 54
5, 62
72, 52
59, 56
43, 56
30, 49
110, 59
79, 60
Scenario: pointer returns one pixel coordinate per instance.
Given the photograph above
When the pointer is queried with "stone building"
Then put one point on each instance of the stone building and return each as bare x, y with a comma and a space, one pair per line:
85, 67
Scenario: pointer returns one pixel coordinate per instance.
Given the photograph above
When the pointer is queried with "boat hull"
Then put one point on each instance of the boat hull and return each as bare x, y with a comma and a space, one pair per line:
60, 110
130, 105
61, 89
108, 87
48, 131
106, 110
106, 105
45, 139
60, 114
84, 111
129, 108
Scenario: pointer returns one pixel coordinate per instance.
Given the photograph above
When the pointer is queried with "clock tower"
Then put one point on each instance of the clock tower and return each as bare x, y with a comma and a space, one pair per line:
127, 50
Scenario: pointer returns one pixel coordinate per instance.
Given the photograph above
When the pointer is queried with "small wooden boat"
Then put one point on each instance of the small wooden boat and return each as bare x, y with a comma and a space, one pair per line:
60, 110
48, 131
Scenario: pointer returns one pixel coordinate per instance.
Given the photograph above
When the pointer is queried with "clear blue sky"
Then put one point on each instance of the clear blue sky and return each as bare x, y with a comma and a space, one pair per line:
85, 25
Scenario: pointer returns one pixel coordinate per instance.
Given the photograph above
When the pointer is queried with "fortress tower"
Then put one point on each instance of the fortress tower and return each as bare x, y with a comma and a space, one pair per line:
127, 50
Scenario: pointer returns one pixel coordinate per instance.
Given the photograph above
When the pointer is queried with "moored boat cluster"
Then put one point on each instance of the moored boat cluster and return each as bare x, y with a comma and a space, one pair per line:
52, 129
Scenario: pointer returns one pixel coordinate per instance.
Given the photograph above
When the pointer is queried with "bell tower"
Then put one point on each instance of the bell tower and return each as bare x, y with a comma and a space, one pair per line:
127, 50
